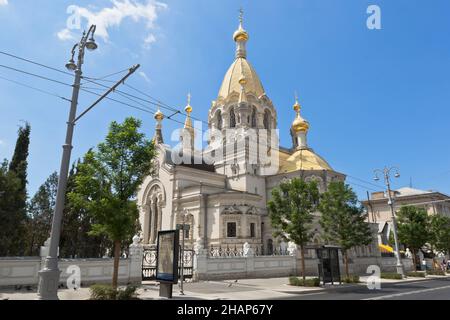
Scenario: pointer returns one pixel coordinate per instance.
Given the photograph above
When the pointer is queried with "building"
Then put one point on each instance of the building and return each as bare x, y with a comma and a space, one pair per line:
225, 201
379, 211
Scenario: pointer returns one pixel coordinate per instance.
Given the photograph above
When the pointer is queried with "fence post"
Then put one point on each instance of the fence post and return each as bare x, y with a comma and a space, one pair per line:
135, 261
200, 262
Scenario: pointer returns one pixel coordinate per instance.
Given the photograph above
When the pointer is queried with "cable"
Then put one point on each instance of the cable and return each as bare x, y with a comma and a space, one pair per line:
366, 182
35, 63
90, 80
34, 88
35, 75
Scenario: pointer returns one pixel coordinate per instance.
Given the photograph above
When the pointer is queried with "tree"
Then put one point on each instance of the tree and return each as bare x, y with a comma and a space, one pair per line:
10, 187
343, 219
413, 228
291, 212
40, 211
14, 202
107, 182
440, 233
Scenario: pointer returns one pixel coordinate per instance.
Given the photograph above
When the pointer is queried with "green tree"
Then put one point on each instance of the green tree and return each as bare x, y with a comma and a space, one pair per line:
413, 228
291, 212
14, 207
40, 212
440, 233
343, 219
108, 180
10, 187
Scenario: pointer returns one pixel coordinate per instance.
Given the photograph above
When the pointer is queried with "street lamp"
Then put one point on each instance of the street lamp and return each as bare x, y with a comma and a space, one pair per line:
183, 228
386, 174
49, 275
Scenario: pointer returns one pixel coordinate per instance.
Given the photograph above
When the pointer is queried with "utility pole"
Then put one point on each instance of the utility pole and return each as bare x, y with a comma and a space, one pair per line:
386, 174
49, 275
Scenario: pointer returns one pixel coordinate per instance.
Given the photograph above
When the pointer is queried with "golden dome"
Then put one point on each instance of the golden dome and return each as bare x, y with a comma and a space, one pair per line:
159, 116
240, 34
299, 124
239, 70
188, 108
304, 159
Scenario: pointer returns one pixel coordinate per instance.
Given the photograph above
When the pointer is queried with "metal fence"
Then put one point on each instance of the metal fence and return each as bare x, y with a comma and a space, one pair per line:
149, 264
235, 251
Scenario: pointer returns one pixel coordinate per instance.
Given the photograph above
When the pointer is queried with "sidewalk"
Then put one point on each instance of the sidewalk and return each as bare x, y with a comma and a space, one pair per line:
245, 289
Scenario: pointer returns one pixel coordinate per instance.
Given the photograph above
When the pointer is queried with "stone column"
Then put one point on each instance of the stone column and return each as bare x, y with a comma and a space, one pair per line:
135, 261
146, 224
153, 215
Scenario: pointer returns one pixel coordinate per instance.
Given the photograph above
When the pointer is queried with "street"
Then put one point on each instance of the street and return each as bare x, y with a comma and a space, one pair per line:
433, 289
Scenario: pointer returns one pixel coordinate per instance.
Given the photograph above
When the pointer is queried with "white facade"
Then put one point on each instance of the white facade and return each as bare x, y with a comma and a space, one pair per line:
227, 200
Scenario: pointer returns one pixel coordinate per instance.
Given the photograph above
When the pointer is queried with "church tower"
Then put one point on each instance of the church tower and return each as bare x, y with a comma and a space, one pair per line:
243, 114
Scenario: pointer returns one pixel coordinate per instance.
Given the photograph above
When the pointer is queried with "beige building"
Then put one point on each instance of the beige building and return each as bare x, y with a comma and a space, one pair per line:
226, 201
379, 211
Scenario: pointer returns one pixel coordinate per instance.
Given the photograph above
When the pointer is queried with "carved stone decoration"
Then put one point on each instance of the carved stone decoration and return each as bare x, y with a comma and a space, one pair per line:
292, 249
248, 251
155, 172
232, 210
252, 210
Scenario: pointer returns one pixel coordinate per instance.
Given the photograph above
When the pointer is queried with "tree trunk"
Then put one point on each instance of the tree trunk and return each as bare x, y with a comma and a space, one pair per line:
303, 262
414, 259
116, 263
346, 264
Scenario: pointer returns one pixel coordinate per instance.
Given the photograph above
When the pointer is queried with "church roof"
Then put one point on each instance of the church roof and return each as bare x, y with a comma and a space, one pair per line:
303, 159
231, 84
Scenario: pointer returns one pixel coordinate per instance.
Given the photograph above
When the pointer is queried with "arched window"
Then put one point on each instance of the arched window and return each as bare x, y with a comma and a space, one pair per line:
254, 118
267, 119
219, 120
232, 118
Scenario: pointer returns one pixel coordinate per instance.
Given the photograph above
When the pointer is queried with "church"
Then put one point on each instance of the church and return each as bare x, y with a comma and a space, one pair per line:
224, 201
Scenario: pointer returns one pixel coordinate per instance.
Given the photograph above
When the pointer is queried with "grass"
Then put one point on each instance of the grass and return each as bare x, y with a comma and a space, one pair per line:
416, 274
107, 292
351, 279
390, 275
436, 272
314, 282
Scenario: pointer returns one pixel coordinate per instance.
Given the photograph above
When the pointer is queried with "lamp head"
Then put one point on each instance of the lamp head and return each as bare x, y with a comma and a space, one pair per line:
71, 66
91, 45
376, 178
397, 175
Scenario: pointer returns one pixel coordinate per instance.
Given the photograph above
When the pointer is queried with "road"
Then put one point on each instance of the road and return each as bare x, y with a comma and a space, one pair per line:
433, 289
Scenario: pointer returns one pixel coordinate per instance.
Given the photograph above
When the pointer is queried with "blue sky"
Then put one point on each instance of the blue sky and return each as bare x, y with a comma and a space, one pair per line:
372, 97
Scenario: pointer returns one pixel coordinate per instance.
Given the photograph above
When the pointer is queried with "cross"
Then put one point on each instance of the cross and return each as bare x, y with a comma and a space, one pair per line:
189, 99
241, 15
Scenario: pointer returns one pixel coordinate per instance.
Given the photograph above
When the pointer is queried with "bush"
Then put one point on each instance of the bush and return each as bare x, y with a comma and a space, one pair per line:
351, 279
388, 275
416, 274
314, 282
106, 292
436, 272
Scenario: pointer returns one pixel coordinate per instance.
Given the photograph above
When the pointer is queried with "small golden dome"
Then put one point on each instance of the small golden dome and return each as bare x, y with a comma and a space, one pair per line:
159, 115
240, 34
299, 124
188, 108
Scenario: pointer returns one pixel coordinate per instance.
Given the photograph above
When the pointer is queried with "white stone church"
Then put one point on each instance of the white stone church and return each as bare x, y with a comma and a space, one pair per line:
225, 202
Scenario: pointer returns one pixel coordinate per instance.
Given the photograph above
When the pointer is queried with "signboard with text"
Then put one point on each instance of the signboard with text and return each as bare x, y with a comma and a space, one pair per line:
167, 256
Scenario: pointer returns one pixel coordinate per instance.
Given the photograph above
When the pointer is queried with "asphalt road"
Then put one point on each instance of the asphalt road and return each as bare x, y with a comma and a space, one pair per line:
433, 289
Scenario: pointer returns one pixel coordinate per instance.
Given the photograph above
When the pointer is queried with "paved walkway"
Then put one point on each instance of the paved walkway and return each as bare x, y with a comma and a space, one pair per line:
246, 289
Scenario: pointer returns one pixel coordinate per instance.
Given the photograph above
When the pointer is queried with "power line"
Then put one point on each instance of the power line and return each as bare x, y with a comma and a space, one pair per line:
34, 88
35, 75
365, 181
35, 63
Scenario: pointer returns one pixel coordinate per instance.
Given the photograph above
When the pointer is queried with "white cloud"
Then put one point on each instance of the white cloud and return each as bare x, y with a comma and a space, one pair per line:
1, 141
108, 17
64, 34
3, 2
144, 76
149, 40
